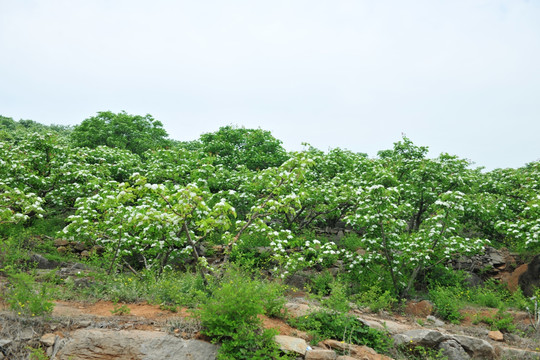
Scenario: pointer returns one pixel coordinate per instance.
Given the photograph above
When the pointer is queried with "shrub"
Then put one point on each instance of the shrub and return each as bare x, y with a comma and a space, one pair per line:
376, 299
332, 325
230, 316
338, 299
446, 303
321, 283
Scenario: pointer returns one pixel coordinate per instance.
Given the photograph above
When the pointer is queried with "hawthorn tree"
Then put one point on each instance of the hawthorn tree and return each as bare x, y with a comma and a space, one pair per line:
254, 148
124, 131
410, 214
161, 222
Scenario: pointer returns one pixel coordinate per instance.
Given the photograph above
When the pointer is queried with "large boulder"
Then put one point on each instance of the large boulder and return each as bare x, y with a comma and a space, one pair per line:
453, 350
478, 348
356, 351
530, 279
427, 338
104, 344
291, 344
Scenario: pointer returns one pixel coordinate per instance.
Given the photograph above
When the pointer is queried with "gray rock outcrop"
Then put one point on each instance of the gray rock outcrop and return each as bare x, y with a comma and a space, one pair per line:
453, 350
133, 345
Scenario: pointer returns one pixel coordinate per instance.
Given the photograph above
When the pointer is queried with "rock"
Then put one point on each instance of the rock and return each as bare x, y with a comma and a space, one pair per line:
424, 337
297, 310
473, 280
496, 335
48, 339
170, 347
26, 334
421, 308
476, 347
434, 321
530, 279
489, 260
133, 345
321, 355
60, 242
345, 357
61, 249
494, 257
98, 249
372, 324
41, 262
453, 351
289, 343
5, 342
511, 353
394, 327
298, 280
84, 323
357, 351
85, 253
79, 246
79, 266
82, 282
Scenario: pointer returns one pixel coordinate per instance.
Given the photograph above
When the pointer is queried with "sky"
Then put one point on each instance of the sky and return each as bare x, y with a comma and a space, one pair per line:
460, 76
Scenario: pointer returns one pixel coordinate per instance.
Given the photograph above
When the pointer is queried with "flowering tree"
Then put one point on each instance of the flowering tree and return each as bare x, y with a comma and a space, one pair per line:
254, 148
411, 213
123, 131
522, 202
44, 165
161, 222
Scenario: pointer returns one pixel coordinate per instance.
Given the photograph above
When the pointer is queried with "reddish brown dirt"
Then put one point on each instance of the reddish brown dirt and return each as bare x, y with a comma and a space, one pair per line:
470, 315
106, 308
282, 327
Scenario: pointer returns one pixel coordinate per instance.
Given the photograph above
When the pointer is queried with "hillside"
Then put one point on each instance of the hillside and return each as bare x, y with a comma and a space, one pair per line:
231, 228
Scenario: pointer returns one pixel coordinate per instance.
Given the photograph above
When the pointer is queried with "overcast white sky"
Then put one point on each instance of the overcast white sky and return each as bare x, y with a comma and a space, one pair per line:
459, 76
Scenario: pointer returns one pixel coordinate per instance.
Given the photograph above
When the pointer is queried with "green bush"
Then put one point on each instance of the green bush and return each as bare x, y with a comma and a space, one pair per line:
231, 316
324, 325
321, 283
376, 299
447, 303
338, 299
247, 343
272, 298
27, 298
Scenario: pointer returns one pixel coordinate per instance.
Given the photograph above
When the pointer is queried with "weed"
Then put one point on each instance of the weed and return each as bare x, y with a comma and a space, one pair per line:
120, 309
26, 298
37, 354
501, 320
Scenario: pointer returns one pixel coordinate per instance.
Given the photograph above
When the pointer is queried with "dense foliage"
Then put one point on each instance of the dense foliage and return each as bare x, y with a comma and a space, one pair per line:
132, 132
156, 204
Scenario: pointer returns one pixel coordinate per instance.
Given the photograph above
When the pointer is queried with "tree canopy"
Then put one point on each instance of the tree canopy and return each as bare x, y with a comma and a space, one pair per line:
254, 148
135, 133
